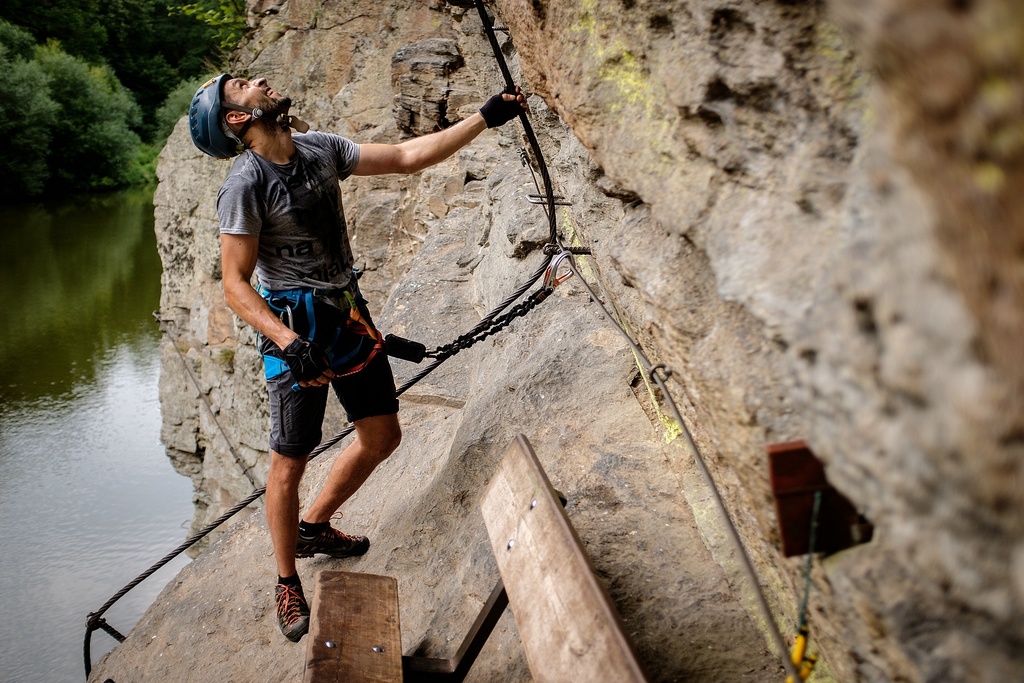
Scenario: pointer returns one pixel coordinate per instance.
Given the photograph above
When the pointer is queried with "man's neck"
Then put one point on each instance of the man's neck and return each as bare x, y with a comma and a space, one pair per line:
276, 146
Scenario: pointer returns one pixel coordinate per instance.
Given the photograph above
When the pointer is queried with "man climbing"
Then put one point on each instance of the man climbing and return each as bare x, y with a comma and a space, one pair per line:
281, 217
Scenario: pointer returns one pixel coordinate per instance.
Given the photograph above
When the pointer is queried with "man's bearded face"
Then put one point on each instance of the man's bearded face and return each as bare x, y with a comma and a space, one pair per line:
257, 94
273, 110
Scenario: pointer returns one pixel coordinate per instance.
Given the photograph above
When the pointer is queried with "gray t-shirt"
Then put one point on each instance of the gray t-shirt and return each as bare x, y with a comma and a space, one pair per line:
295, 210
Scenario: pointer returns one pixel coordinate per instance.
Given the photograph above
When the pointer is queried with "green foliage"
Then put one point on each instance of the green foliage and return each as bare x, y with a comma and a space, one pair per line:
176, 105
93, 125
75, 23
15, 42
68, 126
147, 45
26, 118
143, 165
90, 108
226, 17
150, 48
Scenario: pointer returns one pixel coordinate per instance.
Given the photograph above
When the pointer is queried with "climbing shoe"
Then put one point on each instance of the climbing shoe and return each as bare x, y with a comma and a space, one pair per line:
292, 611
332, 542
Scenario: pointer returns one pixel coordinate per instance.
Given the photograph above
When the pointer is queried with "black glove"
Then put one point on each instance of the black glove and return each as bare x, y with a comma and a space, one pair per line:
305, 359
498, 111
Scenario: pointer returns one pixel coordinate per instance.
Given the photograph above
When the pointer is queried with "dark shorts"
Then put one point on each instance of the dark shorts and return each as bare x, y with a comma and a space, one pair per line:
296, 417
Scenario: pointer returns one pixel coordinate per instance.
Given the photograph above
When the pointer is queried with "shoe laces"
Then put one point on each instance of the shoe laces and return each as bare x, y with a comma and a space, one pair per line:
343, 536
289, 604
334, 533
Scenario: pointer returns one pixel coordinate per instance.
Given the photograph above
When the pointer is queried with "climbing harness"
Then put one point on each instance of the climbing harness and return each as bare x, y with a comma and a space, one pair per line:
335, 320
491, 323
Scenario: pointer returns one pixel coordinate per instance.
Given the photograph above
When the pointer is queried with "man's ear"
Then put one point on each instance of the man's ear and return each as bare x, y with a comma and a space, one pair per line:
234, 117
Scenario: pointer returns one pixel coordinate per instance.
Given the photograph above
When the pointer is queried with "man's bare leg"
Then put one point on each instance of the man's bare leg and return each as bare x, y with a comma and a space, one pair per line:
376, 438
282, 508
282, 512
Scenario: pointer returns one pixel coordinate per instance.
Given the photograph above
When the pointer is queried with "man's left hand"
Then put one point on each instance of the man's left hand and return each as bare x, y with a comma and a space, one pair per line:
503, 107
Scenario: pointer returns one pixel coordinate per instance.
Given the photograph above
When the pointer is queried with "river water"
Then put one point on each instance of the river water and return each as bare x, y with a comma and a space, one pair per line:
88, 499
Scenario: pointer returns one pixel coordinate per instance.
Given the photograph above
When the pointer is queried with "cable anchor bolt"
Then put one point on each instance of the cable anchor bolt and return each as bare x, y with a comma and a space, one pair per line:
559, 200
550, 249
666, 372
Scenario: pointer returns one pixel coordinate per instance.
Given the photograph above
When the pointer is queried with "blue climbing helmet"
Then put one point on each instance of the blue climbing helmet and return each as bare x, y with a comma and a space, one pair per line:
206, 123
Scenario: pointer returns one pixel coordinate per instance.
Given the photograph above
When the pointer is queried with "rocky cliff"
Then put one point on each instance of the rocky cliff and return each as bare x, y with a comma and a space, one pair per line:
808, 211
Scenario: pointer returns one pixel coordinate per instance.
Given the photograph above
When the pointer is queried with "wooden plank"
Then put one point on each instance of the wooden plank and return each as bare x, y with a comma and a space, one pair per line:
568, 624
354, 633
796, 474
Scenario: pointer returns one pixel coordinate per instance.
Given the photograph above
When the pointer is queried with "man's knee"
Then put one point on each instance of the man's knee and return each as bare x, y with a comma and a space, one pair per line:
380, 436
394, 440
285, 471
388, 440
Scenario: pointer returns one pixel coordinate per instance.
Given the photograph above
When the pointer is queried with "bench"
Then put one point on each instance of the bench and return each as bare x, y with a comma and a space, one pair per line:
568, 625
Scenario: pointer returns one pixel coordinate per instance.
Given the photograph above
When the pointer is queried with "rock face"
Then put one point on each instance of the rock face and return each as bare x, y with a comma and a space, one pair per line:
810, 212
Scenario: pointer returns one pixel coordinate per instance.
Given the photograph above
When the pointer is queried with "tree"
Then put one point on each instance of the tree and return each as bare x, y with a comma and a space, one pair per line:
17, 43
26, 118
85, 80
148, 46
72, 22
227, 17
151, 48
176, 105
94, 142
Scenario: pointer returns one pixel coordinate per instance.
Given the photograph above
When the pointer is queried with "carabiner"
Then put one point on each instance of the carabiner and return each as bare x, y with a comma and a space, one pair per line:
551, 277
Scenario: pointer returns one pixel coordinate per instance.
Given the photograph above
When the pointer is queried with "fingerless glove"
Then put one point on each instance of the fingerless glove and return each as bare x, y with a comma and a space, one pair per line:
498, 111
305, 359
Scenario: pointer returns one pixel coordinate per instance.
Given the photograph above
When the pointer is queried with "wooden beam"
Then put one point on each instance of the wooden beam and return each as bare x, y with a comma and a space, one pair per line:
568, 624
454, 670
354, 633
796, 474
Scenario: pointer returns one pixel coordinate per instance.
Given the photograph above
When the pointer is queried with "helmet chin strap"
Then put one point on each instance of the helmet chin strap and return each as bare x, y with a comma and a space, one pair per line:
253, 112
281, 117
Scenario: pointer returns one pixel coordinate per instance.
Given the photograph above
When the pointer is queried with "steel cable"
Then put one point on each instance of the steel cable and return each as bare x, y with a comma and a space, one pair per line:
652, 372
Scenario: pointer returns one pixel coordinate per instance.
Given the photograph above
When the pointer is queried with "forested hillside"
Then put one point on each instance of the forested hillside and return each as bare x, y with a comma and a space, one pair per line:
93, 88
